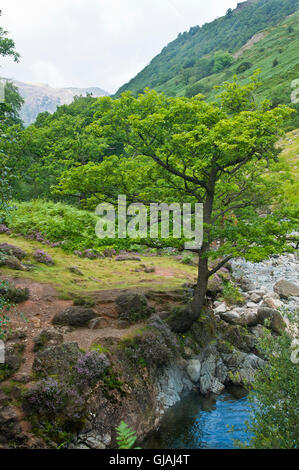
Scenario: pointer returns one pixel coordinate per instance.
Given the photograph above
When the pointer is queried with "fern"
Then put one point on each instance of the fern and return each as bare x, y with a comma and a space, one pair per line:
126, 437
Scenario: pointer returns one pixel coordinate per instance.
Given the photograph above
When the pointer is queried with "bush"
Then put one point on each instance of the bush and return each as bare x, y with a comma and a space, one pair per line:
90, 367
61, 224
50, 399
274, 398
231, 294
244, 66
222, 60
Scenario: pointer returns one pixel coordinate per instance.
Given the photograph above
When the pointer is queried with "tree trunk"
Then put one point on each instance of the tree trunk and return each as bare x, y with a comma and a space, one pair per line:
201, 285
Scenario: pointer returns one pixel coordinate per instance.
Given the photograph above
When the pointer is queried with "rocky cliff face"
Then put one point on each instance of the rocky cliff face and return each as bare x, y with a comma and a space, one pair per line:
41, 97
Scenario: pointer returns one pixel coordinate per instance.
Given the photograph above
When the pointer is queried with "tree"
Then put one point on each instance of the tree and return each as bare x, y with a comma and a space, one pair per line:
54, 143
8, 116
187, 150
222, 60
7, 45
274, 396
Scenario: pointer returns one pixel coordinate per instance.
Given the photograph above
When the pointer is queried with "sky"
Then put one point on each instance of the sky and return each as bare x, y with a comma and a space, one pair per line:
102, 43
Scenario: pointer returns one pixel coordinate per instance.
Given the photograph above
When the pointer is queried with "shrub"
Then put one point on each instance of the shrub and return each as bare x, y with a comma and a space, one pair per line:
231, 294
244, 66
5, 307
222, 60
43, 257
90, 368
274, 398
60, 225
56, 401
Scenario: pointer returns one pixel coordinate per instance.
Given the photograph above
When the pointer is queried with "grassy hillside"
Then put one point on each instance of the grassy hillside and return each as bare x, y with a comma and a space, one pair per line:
192, 63
290, 155
101, 274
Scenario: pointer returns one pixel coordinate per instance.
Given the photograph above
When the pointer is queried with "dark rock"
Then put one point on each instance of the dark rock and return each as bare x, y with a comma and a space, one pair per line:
46, 339
286, 289
11, 262
76, 270
14, 294
13, 250
98, 323
149, 269
10, 430
181, 319
13, 358
133, 307
74, 316
215, 286
127, 258
277, 323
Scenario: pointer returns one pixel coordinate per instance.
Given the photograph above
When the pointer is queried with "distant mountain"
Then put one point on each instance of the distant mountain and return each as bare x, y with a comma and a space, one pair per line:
257, 34
40, 97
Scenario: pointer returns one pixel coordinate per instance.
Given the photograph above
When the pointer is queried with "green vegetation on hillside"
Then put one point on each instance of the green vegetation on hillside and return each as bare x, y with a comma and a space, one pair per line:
192, 57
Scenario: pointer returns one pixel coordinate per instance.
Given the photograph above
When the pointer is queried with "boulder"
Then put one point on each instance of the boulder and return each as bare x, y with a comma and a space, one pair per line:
14, 294
47, 338
277, 323
286, 289
98, 323
75, 270
11, 262
127, 258
74, 316
10, 430
149, 269
12, 358
242, 367
246, 318
271, 302
254, 297
215, 285
13, 250
133, 307
222, 308
193, 369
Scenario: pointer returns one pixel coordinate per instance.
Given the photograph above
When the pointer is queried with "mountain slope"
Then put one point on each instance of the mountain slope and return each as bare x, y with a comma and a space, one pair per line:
40, 97
203, 51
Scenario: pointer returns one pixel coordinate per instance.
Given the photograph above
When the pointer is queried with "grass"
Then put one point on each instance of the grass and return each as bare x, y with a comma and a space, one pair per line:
290, 155
100, 274
278, 44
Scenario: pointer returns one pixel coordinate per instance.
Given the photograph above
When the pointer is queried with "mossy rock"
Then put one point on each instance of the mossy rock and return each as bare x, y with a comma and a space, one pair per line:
133, 307
180, 319
56, 360
14, 294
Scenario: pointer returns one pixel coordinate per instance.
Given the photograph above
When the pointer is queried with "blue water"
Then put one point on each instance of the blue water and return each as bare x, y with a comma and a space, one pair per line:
202, 423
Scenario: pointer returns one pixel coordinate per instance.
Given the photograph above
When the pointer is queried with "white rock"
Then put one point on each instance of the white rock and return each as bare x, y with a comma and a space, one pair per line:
251, 305
193, 369
222, 308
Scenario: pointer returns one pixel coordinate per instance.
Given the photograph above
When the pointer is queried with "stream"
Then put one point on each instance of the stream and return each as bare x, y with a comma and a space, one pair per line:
198, 422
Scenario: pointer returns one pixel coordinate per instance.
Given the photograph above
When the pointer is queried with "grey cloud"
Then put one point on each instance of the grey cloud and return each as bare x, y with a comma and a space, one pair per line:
96, 42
